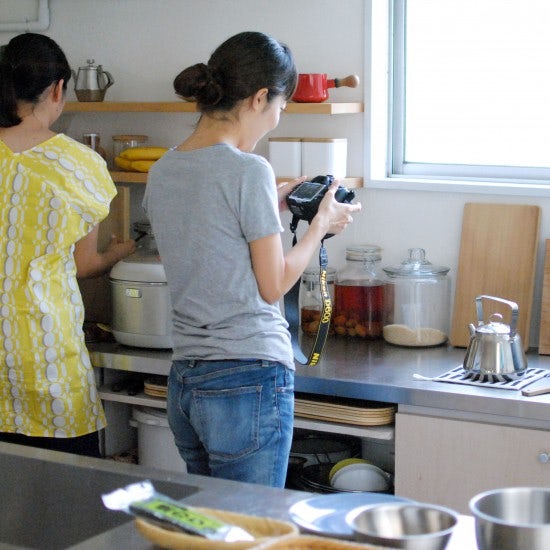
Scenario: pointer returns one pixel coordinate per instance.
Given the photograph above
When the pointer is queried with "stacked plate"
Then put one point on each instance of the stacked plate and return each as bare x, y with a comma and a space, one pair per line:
156, 386
348, 411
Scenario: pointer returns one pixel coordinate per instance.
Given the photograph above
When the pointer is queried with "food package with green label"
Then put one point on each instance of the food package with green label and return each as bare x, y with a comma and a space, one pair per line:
143, 501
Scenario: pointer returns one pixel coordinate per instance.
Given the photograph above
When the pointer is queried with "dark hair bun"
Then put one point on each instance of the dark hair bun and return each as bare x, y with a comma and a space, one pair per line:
198, 83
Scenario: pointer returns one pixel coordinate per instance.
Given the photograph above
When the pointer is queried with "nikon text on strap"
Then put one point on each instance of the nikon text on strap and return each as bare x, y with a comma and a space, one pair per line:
292, 310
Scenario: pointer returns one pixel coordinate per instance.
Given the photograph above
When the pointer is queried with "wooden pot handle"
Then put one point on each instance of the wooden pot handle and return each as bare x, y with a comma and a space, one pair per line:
352, 81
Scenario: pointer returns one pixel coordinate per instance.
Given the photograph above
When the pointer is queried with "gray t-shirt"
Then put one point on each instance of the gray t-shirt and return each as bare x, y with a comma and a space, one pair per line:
205, 206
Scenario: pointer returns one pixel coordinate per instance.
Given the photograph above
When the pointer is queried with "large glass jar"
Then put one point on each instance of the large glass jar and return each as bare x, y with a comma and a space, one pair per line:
359, 294
311, 301
419, 296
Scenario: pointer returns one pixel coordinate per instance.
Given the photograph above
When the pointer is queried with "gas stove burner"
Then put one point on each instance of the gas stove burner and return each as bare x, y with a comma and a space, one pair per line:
493, 378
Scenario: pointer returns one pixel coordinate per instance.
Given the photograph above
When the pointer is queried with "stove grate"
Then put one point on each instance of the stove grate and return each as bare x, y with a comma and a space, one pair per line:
505, 382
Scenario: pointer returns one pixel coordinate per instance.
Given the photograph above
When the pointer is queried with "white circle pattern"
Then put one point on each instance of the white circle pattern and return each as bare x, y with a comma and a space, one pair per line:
59, 209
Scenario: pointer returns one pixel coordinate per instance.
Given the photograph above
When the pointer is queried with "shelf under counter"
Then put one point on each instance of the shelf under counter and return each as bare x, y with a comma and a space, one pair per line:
131, 359
383, 433
140, 398
148, 361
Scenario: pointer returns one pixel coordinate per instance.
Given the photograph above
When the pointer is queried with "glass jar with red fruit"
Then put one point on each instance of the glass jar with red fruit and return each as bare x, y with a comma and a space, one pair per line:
359, 294
311, 300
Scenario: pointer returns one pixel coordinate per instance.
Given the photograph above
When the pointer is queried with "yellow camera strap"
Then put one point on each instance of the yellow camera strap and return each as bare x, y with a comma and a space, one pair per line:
292, 314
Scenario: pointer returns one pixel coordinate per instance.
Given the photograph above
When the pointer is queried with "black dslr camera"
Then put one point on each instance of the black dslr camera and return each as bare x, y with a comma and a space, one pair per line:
303, 201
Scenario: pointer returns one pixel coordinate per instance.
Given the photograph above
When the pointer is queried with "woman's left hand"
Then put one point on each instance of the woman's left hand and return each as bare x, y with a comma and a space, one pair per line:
283, 189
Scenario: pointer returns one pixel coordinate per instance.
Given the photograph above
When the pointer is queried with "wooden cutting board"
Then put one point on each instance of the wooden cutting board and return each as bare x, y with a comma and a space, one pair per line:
498, 250
544, 334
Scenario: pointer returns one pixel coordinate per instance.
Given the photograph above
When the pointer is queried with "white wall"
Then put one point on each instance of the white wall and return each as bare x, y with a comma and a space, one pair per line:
145, 43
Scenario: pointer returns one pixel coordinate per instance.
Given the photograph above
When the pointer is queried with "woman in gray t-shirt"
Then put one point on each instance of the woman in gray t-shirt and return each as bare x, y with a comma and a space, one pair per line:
214, 209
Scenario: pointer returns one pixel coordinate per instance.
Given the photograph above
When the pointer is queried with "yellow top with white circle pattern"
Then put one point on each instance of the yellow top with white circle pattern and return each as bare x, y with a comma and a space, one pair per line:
52, 196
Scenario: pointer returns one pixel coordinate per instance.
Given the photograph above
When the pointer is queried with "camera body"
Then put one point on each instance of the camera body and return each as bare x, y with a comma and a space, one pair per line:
303, 201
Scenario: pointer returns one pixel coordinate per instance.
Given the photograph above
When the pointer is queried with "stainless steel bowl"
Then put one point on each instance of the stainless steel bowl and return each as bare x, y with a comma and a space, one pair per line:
402, 525
512, 518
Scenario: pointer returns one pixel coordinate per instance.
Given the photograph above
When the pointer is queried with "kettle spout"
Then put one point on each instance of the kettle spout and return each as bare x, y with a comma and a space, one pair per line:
472, 329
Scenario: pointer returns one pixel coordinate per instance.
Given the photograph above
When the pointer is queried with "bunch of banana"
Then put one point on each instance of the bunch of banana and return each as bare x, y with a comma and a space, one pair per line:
139, 159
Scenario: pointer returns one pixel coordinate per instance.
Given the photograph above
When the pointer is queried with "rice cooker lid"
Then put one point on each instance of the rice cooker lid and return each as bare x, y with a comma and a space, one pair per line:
139, 268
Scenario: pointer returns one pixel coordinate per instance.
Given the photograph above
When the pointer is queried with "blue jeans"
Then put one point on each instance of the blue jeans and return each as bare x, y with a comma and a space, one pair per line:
233, 419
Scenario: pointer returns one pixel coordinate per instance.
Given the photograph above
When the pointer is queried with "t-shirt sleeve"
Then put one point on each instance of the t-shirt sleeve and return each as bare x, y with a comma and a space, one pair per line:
85, 183
259, 208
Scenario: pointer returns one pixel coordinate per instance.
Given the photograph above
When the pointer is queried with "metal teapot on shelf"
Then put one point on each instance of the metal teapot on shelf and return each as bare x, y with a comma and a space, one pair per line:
495, 349
91, 82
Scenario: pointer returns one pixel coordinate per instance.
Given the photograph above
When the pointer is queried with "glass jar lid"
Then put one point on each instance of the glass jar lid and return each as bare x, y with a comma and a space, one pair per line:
363, 252
311, 274
416, 265
139, 138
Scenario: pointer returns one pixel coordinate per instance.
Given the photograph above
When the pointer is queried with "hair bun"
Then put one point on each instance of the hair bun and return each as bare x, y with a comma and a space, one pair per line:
199, 82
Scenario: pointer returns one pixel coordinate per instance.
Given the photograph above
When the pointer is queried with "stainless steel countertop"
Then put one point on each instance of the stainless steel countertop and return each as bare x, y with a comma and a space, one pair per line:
376, 371
220, 494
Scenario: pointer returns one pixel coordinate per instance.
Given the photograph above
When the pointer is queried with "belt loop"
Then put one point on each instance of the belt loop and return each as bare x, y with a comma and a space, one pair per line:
192, 363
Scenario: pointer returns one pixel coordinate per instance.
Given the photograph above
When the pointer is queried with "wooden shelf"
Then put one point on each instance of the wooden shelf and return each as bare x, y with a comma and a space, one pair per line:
130, 107
128, 177
140, 398
141, 177
323, 108
384, 433
349, 182
188, 107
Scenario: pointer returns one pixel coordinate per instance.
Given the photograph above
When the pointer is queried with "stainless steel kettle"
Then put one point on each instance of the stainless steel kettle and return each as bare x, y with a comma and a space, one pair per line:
495, 348
91, 82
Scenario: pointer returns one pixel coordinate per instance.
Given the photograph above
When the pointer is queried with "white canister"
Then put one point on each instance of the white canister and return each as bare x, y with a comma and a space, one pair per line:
285, 156
321, 156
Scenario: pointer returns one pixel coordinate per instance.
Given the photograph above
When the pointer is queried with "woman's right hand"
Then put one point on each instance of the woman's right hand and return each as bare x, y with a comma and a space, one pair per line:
333, 216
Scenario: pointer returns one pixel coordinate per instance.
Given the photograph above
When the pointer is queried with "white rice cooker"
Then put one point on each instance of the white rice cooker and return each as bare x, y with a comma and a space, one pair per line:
142, 311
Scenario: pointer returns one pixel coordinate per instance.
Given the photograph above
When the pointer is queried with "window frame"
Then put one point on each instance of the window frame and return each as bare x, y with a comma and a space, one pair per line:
384, 121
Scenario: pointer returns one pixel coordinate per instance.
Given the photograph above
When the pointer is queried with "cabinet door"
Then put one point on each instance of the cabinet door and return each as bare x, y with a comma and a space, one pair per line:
96, 292
447, 462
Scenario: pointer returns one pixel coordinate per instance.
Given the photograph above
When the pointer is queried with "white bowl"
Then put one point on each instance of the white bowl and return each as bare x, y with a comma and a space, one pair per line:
361, 477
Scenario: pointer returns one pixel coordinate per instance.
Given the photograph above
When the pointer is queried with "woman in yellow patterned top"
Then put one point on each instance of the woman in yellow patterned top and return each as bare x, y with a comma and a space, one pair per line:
55, 191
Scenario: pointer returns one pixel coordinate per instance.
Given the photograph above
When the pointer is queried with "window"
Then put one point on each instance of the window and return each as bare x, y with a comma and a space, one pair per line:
470, 90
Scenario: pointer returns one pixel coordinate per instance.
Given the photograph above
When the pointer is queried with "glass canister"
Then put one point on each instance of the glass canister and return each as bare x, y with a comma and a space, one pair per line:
359, 294
311, 302
126, 141
419, 297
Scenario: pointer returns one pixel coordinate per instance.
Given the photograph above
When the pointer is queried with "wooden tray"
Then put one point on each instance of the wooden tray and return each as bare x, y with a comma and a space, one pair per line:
346, 411
156, 386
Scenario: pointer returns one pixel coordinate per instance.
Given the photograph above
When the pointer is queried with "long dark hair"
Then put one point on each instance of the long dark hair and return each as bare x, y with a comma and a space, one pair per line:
29, 63
237, 69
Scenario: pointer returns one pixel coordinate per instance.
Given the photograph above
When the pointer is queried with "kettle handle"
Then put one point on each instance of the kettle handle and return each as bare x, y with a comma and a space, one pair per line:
107, 74
513, 306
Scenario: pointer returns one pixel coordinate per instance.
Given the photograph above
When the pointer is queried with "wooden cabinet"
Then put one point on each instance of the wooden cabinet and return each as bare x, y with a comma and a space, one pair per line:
447, 462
